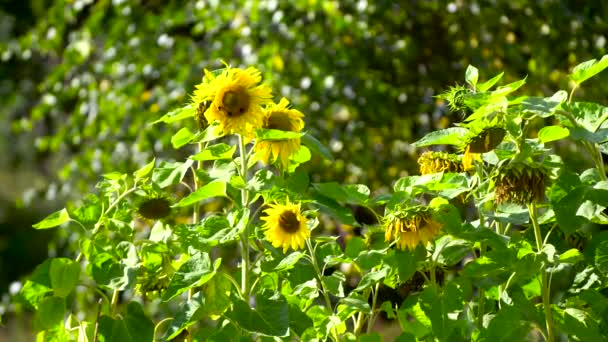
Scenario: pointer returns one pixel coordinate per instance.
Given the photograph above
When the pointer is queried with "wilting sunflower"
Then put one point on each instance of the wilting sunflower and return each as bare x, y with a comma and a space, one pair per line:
432, 162
520, 183
236, 98
285, 226
478, 142
279, 116
154, 207
411, 226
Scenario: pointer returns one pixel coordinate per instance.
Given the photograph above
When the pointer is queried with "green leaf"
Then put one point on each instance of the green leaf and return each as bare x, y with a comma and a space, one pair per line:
188, 314
212, 132
289, 262
601, 257
579, 323
471, 75
167, 174
509, 88
145, 170
449, 251
407, 262
38, 286
270, 317
53, 220
588, 69
194, 272
50, 312
64, 274
571, 256
370, 279
351, 193
140, 326
316, 147
485, 86
552, 133
216, 188
448, 136
177, 114
113, 330
276, 134
182, 137
215, 152
507, 325
354, 247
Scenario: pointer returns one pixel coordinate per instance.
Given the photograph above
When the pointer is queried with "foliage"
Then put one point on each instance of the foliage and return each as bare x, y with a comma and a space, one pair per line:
480, 254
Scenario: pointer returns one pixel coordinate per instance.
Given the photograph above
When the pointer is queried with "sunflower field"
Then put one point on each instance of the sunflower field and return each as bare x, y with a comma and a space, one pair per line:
304, 171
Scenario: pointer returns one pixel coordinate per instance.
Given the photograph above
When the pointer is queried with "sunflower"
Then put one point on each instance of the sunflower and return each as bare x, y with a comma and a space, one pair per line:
279, 116
410, 227
482, 141
432, 162
520, 183
236, 98
285, 226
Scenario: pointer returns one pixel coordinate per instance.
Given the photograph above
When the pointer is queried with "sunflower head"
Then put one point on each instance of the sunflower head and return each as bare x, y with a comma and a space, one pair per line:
154, 208
235, 99
520, 183
432, 162
285, 226
481, 141
281, 117
411, 226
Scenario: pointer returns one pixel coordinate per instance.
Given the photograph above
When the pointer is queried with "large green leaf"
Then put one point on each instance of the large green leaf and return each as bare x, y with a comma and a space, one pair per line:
588, 69
178, 114
448, 136
276, 134
270, 317
552, 133
194, 272
50, 312
167, 174
215, 152
64, 274
216, 188
182, 137
139, 326
316, 146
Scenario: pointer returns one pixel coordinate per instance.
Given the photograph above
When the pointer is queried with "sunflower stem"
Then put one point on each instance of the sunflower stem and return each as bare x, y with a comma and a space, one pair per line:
372, 315
313, 258
114, 303
544, 280
245, 234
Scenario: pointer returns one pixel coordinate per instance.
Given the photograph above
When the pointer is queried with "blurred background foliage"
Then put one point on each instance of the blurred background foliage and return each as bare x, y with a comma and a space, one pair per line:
82, 80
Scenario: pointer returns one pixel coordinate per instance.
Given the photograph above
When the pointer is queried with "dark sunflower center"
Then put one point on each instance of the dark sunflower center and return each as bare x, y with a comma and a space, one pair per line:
155, 208
288, 221
235, 102
280, 122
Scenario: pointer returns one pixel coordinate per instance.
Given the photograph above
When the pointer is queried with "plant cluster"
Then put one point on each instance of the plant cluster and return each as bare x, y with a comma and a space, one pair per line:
477, 247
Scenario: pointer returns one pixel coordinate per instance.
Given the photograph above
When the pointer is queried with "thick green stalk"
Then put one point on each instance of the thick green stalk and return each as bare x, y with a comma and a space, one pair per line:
245, 234
544, 283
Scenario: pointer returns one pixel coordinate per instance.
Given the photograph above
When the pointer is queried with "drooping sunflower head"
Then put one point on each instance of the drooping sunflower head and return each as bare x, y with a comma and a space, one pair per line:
481, 141
410, 227
236, 97
154, 208
285, 226
281, 117
520, 183
432, 162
